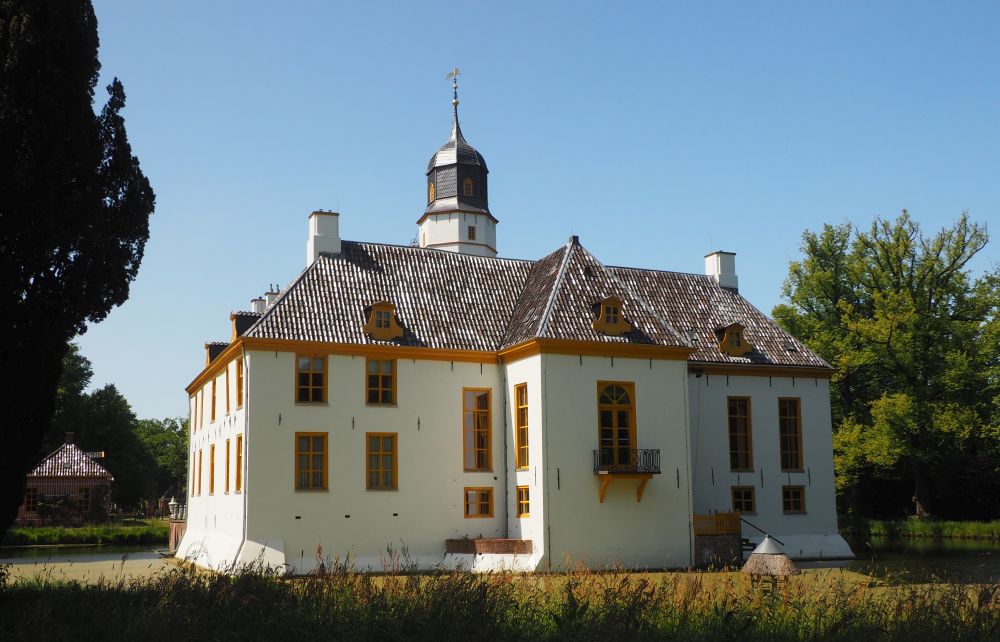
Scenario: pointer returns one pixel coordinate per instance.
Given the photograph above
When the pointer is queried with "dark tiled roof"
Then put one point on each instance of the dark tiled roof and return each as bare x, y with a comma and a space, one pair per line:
462, 302
697, 306
456, 150
69, 461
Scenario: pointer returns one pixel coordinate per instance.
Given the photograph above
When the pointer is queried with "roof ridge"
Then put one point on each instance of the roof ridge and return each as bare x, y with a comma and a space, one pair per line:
269, 310
635, 295
417, 248
556, 285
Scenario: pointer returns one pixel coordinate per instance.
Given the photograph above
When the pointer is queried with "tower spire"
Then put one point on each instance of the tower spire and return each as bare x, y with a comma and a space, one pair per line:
453, 77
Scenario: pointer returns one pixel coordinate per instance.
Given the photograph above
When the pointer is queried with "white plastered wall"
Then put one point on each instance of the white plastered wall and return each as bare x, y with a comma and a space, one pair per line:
653, 533
215, 524
812, 534
450, 231
428, 506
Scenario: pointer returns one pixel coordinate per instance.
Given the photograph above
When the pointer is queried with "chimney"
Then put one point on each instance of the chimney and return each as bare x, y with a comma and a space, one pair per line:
721, 266
270, 296
257, 305
324, 235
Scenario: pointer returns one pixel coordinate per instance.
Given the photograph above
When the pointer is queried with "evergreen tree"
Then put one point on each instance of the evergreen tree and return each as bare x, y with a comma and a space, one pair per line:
74, 214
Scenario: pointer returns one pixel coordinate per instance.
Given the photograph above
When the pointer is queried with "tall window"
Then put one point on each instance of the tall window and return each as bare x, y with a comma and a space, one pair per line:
467, 187
239, 383
194, 472
790, 434
793, 499
744, 500
239, 463
227, 390
521, 424
211, 417
199, 471
740, 442
83, 500
479, 502
226, 484
310, 379
194, 413
431, 191
381, 460
616, 424
201, 409
523, 503
30, 499
211, 469
381, 381
310, 461
476, 429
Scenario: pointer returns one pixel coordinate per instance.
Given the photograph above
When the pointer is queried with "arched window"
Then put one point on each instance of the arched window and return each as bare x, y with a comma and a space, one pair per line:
616, 425
467, 187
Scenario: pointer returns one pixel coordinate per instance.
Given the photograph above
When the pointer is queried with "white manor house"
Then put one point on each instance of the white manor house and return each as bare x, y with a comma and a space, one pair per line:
483, 412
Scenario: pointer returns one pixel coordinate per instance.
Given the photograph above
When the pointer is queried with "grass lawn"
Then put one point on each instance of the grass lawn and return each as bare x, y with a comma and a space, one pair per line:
154, 532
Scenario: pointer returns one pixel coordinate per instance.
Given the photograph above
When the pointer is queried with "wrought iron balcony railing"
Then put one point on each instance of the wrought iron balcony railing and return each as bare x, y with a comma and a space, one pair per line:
627, 460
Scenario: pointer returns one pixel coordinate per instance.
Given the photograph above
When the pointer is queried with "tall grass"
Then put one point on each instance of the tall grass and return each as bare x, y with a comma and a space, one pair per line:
929, 528
121, 534
252, 604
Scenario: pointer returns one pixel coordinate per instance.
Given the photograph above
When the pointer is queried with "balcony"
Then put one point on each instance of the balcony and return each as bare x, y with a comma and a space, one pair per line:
634, 463
634, 460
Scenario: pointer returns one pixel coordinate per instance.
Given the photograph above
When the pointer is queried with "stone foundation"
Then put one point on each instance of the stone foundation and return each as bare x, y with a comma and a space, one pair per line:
718, 550
177, 528
488, 546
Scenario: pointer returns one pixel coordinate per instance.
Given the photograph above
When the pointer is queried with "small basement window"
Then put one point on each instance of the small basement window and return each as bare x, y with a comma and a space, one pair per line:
610, 317
732, 340
381, 324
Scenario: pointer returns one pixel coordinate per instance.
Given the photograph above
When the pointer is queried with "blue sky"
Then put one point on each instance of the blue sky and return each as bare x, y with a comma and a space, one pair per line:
657, 132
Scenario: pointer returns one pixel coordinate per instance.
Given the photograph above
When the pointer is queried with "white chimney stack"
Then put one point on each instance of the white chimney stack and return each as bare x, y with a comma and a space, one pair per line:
269, 297
257, 305
324, 235
721, 266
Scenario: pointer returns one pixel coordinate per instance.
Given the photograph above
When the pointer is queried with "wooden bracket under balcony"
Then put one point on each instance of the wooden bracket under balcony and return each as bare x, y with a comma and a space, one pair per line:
606, 478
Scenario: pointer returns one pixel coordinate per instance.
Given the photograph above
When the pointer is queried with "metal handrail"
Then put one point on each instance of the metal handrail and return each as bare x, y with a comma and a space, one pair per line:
631, 460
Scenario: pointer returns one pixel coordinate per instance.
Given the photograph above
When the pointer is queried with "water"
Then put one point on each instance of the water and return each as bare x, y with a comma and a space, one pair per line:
59, 554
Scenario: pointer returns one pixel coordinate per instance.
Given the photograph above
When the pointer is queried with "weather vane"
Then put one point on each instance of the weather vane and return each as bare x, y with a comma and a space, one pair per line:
453, 77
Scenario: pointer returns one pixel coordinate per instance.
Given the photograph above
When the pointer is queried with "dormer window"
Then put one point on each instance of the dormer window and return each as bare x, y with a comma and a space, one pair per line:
732, 340
467, 187
381, 324
431, 192
610, 318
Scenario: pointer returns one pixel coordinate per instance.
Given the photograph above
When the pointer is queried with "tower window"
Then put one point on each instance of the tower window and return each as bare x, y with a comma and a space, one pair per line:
431, 192
467, 187
472, 232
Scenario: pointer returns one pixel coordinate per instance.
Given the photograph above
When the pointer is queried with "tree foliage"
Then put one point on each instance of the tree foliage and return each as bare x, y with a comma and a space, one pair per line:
913, 337
74, 212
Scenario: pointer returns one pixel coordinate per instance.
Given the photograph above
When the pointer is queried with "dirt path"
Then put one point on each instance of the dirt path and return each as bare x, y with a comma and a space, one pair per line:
89, 568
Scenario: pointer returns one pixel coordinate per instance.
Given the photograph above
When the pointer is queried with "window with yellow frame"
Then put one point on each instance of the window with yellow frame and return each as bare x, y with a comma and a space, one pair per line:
476, 438
790, 434
381, 461
380, 382
239, 383
310, 379
311, 461
740, 434
521, 424
478, 502
239, 463
523, 502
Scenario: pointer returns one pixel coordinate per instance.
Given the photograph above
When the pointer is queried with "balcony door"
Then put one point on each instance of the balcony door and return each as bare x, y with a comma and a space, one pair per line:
616, 424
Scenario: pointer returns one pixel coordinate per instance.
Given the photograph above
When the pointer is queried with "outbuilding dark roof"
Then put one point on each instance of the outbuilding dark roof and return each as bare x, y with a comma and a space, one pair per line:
69, 461
458, 301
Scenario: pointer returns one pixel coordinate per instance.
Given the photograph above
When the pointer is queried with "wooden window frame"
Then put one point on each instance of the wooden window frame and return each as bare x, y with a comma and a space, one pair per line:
733, 340
785, 439
522, 457
785, 499
731, 435
523, 501
468, 187
211, 418
194, 472
311, 386
610, 319
194, 414
201, 408
380, 453
225, 485
629, 387
471, 232
83, 500
488, 467
375, 326
733, 490
310, 453
31, 499
201, 466
431, 191
227, 390
239, 463
380, 389
479, 490
239, 383
211, 469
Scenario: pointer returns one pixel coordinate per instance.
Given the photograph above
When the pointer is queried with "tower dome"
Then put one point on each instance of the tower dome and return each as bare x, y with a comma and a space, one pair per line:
457, 216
